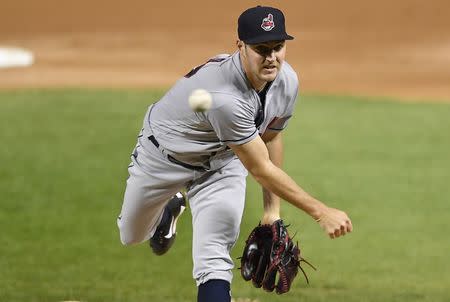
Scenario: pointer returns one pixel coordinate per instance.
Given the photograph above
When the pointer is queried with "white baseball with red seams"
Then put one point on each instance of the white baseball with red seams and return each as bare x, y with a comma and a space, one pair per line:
200, 100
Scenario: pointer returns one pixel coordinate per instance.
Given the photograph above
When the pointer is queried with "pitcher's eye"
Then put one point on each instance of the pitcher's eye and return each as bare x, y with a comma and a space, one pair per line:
262, 50
278, 47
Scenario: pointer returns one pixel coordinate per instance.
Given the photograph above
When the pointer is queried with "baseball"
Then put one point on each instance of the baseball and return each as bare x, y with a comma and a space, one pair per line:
200, 100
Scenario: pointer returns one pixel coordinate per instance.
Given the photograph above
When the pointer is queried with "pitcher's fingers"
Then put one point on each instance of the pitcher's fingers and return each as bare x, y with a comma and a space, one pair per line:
343, 230
349, 226
337, 233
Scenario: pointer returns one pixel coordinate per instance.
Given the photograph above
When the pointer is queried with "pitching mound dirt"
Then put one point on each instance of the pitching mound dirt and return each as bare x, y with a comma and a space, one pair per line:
390, 48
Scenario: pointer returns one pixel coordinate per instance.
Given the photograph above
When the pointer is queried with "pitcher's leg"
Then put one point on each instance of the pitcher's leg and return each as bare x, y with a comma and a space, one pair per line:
152, 182
142, 207
217, 204
214, 290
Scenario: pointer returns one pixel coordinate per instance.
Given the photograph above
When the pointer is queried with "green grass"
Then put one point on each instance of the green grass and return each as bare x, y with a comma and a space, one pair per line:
64, 155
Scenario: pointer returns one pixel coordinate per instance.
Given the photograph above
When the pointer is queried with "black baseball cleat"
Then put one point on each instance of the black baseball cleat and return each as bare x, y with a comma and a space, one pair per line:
165, 233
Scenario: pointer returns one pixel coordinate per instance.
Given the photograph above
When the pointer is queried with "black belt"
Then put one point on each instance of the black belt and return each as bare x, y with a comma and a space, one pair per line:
173, 159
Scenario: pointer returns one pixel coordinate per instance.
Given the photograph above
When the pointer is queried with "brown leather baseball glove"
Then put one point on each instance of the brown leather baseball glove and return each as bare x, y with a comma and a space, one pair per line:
268, 252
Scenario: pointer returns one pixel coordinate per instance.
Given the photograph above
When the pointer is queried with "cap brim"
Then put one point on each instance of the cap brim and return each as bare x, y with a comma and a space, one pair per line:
268, 38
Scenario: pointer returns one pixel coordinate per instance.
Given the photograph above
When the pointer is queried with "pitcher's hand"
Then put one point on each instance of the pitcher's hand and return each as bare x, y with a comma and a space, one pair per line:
335, 222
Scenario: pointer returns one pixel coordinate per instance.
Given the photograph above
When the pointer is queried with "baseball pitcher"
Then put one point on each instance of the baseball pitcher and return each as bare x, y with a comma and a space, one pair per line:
204, 157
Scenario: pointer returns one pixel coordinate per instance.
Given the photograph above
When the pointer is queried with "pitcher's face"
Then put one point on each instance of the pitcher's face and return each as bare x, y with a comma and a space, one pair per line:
262, 62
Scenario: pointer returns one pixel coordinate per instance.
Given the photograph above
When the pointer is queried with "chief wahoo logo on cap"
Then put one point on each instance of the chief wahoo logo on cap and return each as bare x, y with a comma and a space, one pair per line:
267, 23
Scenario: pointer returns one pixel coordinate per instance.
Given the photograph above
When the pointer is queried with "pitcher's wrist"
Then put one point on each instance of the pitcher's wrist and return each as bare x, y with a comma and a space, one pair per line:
269, 218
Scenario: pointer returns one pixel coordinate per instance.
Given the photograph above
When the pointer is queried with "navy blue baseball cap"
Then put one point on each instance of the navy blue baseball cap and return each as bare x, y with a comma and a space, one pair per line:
262, 24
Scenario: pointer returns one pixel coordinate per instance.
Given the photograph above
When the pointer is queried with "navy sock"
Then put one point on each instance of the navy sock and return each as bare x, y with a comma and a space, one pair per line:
214, 291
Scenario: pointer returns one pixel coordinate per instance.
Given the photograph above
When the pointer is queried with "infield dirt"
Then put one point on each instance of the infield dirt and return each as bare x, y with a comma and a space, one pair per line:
379, 48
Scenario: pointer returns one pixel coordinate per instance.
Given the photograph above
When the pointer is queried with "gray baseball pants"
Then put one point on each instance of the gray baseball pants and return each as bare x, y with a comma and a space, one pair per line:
216, 199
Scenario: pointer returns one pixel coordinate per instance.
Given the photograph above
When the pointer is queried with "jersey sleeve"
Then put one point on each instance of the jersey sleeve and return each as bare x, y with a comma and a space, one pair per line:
232, 121
280, 123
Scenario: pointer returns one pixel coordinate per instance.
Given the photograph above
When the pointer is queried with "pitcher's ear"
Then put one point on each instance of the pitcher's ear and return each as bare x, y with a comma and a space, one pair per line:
239, 44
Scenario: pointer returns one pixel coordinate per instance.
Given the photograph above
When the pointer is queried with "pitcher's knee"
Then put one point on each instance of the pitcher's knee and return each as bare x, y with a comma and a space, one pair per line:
128, 240
128, 237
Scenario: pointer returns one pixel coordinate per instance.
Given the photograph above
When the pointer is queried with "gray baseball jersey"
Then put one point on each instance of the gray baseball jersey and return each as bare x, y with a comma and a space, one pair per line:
201, 138
179, 149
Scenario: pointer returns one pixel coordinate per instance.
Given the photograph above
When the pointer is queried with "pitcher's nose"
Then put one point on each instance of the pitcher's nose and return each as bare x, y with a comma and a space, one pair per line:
270, 57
